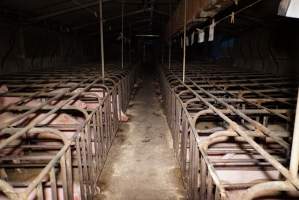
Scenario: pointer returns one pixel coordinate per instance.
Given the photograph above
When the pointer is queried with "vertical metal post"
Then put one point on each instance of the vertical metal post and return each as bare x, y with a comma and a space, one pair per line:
122, 34
130, 43
102, 38
295, 146
22, 44
169, 54
144, 52
162, 57
184, 46
169, 39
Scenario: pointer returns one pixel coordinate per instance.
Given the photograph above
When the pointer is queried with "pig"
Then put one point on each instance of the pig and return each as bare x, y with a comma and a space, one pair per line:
7, 101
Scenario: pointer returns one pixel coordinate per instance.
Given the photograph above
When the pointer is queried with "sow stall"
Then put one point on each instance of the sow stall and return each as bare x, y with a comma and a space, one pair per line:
232, 131
56, 130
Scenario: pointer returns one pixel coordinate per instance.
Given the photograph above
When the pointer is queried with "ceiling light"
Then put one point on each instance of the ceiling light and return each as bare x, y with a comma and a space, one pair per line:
289, 8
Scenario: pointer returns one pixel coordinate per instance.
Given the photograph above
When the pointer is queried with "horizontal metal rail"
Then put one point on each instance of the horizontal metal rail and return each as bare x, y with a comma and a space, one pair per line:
40, 98
226, 108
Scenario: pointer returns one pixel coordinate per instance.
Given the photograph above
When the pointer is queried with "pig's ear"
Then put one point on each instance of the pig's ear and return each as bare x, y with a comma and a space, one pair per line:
3, 88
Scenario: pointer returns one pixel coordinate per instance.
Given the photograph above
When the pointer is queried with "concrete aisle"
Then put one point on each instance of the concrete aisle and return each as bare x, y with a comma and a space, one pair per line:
141, 163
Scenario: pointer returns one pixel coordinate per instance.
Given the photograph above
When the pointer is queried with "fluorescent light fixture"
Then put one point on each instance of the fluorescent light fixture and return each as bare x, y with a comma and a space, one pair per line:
148, 35
289, 8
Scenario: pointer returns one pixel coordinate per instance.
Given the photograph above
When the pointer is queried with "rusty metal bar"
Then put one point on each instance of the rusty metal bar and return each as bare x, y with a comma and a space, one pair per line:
221, 105
82, 144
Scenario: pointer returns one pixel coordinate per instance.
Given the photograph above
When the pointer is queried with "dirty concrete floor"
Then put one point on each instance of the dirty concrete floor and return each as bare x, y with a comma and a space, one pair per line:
141, 163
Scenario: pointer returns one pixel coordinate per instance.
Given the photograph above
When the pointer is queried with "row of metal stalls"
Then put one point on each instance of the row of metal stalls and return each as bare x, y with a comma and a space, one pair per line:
232, 131
56, 129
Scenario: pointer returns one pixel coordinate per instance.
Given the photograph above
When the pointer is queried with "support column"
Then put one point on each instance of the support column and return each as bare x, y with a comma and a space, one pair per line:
102, 39
184, 46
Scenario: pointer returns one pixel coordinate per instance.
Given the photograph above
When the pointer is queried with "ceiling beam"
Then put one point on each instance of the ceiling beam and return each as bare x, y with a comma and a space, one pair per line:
109, 19
138, 25
136, 12
67, 10
75, 28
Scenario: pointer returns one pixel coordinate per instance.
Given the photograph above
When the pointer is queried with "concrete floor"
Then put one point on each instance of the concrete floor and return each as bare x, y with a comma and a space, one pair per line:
141, 163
